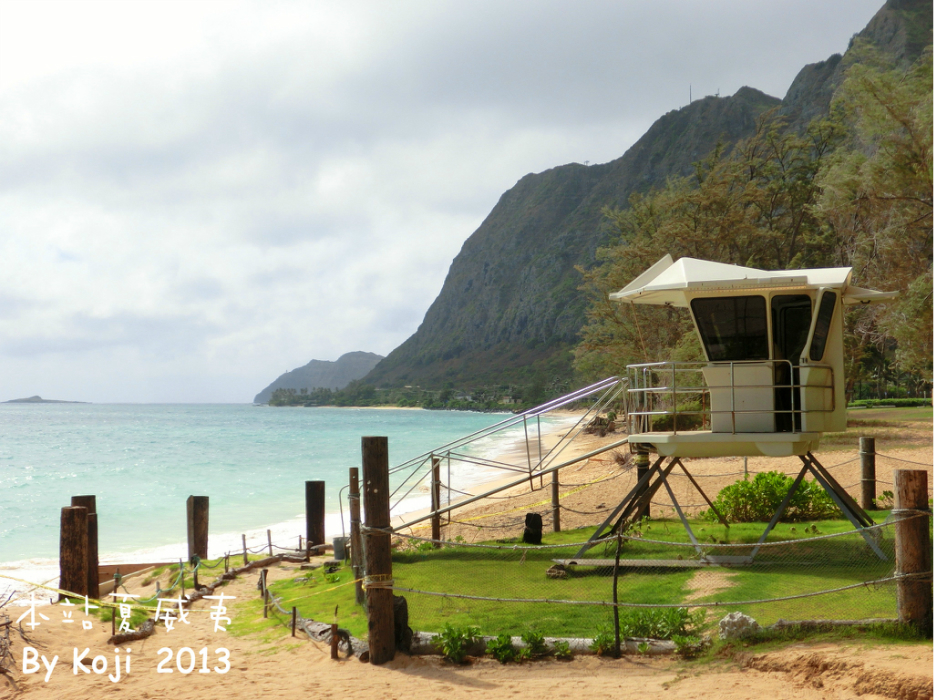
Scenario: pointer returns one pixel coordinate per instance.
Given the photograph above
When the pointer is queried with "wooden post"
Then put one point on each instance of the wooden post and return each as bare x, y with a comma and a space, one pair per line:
245, 560
435, 499
867, 462
73, 551
335, 639
262, 579
227, 562
294, 619
378, 553
314, 513
913, 548
617, 645
555, 503
94, 578
642, 467
356, 541
197, 527
269, 540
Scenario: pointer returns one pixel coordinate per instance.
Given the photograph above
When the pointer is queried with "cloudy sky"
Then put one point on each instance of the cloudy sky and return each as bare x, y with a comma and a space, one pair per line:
198, 196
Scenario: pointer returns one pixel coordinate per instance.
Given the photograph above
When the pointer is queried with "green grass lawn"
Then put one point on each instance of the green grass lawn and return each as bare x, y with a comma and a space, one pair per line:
800, 565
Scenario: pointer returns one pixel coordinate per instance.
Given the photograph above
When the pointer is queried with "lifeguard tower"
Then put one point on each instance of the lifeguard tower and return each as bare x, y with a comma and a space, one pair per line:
771, 384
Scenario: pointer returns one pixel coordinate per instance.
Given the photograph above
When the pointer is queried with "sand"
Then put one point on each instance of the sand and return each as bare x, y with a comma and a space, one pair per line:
275, 665
279, 666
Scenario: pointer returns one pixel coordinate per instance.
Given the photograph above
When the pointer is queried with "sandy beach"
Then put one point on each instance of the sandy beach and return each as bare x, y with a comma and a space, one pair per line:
272, 663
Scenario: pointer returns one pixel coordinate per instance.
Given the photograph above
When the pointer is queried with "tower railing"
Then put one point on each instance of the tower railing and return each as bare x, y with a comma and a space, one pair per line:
749, 396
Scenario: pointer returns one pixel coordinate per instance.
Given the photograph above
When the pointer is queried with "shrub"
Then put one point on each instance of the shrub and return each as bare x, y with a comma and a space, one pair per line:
535, 643
688, 646
502, 649
455, 640
562, 650
757, 500
896, 403
659, 623
604, 642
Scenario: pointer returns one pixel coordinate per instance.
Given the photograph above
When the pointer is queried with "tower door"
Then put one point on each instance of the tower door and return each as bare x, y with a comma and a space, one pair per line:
791, 324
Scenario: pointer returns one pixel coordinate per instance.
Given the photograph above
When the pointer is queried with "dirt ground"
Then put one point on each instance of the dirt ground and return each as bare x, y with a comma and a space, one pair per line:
275, 665
278, 666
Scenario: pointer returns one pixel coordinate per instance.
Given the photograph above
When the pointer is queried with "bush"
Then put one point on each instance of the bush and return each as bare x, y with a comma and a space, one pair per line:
604, 643
535, 643
896, 403
688, 646
455, 640
659, 623
502, 649
757, 500
562, 650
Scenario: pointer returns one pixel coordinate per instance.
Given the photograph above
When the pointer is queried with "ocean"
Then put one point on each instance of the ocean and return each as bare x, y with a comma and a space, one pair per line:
143, 461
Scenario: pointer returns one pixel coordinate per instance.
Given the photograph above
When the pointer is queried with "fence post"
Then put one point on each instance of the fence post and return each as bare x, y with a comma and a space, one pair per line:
314, 514
94, 578
867, 463
555, 504
262, 578
378, 553
435, 499
356, 541
294, 619
73, 551
269, 540
245, 560
197, 526
913, 548
642, 468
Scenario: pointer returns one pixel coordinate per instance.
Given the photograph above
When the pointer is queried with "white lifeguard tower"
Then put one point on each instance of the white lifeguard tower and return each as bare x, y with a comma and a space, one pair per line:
771, 385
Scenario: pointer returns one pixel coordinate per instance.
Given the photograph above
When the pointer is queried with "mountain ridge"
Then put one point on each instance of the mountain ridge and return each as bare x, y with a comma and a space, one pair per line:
510, 307
323, 374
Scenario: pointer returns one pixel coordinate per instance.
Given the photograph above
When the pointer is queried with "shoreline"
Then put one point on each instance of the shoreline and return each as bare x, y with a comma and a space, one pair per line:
285, 533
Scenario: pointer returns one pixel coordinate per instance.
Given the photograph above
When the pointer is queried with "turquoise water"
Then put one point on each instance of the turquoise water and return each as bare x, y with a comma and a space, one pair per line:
143, 461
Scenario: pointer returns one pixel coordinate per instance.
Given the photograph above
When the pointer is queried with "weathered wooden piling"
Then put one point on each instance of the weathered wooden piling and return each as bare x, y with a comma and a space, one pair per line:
197, 507
435, 499
867, 462
642, 468
73, 551
913, 548
94, 582
555, 503
314, 513
378, 552
356, 541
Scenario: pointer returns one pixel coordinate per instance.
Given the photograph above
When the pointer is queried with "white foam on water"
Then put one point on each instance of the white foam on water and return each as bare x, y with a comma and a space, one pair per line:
285, 534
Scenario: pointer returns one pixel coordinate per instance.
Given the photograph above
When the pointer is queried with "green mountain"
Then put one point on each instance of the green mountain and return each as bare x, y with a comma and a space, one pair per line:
510, 308
323, 374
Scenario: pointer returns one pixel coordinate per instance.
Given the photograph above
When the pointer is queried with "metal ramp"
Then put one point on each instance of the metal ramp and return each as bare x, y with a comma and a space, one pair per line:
535, 459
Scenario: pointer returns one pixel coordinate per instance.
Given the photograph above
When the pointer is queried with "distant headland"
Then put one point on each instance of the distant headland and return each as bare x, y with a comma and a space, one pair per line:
39, 399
